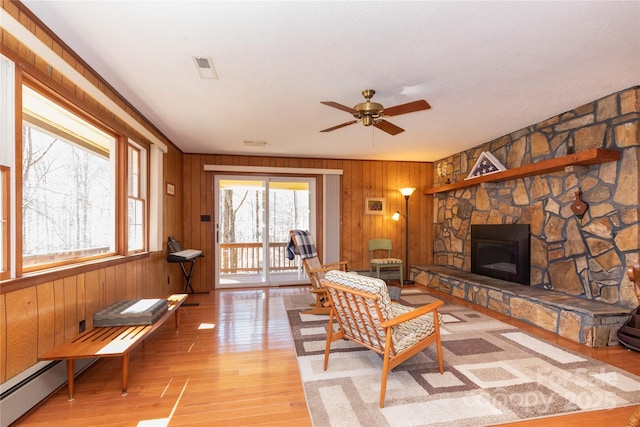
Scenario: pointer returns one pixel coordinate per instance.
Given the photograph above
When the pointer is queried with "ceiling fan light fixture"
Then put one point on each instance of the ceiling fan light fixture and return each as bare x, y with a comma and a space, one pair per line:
369, 107
371, 113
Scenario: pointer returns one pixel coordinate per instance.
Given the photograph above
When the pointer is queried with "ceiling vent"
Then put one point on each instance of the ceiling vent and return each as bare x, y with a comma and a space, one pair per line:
255, 143
205, 67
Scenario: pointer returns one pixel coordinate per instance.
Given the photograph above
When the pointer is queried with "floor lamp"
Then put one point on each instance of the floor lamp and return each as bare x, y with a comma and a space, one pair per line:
406, 192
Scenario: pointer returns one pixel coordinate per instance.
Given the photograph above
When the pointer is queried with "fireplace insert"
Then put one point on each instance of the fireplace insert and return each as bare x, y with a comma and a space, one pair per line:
501, 251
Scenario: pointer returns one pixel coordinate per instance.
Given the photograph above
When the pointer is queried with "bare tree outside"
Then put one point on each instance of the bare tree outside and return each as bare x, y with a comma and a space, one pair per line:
243, 216
36, 165
229, 213
289, 210
66, 198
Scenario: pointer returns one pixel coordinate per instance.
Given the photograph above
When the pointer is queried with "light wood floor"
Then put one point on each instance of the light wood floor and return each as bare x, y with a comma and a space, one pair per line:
233, 364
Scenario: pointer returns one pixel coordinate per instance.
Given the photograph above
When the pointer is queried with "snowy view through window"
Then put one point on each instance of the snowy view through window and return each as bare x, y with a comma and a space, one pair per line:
248, 210
68, 190
243, 209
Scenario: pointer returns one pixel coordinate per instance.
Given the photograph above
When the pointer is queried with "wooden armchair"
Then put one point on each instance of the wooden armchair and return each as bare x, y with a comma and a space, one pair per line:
629, 333
366, 315
634, 275
303, 245
634, 421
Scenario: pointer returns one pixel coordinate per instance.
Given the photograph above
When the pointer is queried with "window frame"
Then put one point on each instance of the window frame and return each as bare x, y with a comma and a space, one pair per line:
142, 193
119, 178
5, 222
71, 108
8, 106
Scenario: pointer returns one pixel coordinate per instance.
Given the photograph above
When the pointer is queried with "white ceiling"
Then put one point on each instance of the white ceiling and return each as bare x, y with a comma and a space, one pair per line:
486, 68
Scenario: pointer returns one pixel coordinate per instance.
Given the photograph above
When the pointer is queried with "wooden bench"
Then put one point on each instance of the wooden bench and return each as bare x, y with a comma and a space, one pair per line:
111, 341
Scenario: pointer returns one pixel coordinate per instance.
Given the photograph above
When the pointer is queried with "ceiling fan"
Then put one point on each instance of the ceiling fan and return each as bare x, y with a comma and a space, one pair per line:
371, 113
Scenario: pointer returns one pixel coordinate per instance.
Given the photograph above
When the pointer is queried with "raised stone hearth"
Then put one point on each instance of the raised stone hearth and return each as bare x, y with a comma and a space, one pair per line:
588, 322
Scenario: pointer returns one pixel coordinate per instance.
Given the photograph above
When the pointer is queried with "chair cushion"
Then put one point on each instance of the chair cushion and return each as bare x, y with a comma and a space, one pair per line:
375, 261
408, 333
367, 284
403, 335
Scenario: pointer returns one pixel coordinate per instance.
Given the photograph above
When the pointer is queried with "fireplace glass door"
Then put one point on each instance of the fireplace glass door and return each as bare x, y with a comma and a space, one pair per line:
501, 251
498, 256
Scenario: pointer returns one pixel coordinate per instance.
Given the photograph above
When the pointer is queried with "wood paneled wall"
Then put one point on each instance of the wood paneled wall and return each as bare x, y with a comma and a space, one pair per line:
173, 216
45, 313
37, 318
39, 312
44, 310
360, 179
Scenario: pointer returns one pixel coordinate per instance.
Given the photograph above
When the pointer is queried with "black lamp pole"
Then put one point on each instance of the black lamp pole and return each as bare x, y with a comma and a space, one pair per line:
407, 192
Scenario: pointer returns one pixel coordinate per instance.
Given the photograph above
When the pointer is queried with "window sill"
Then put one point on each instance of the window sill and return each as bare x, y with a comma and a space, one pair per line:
35, 278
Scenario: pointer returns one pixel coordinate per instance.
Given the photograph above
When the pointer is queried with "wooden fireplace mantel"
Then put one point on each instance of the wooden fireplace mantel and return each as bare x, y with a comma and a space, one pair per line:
594, 156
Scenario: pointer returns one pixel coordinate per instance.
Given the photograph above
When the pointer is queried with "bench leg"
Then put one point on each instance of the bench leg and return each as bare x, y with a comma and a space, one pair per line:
177, 317
125, 372
70, 374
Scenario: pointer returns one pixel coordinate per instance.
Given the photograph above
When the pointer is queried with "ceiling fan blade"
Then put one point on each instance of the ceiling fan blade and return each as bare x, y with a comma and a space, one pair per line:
339, 126
409, 107
339, 106
389, 128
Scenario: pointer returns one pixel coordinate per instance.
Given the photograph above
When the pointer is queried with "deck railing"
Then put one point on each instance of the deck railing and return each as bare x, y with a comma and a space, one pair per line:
235, 257
245, 258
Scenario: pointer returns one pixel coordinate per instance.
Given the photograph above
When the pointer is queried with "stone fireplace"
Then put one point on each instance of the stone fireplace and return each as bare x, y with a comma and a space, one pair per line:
501, 251
583, 257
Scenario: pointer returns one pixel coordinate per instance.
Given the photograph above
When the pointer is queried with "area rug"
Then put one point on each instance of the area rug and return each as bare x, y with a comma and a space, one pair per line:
494, 373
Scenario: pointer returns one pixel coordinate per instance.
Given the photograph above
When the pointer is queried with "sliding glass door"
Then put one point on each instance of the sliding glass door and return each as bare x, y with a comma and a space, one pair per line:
253, 219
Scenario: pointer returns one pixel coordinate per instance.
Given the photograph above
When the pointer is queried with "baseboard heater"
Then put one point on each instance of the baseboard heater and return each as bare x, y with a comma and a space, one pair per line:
26, 390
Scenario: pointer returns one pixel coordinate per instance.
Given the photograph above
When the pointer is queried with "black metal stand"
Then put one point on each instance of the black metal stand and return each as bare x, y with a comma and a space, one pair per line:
188, 289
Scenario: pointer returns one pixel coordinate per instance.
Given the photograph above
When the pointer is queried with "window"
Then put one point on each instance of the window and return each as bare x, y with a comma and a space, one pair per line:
7, 162
4, 222
136, 197
72, 189
68, 185
255, 215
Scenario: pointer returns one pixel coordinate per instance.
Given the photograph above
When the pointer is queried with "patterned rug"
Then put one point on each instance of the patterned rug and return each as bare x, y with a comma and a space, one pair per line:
494, 373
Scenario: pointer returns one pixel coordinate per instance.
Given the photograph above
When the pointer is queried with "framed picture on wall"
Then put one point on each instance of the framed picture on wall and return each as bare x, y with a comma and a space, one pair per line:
374, 206
171, 189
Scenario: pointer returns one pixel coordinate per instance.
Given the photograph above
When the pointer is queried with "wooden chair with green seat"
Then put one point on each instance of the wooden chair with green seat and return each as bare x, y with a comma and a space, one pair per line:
387, 262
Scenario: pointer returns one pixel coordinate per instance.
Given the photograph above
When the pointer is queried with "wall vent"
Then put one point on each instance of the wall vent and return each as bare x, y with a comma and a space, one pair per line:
205, 67
255, 143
